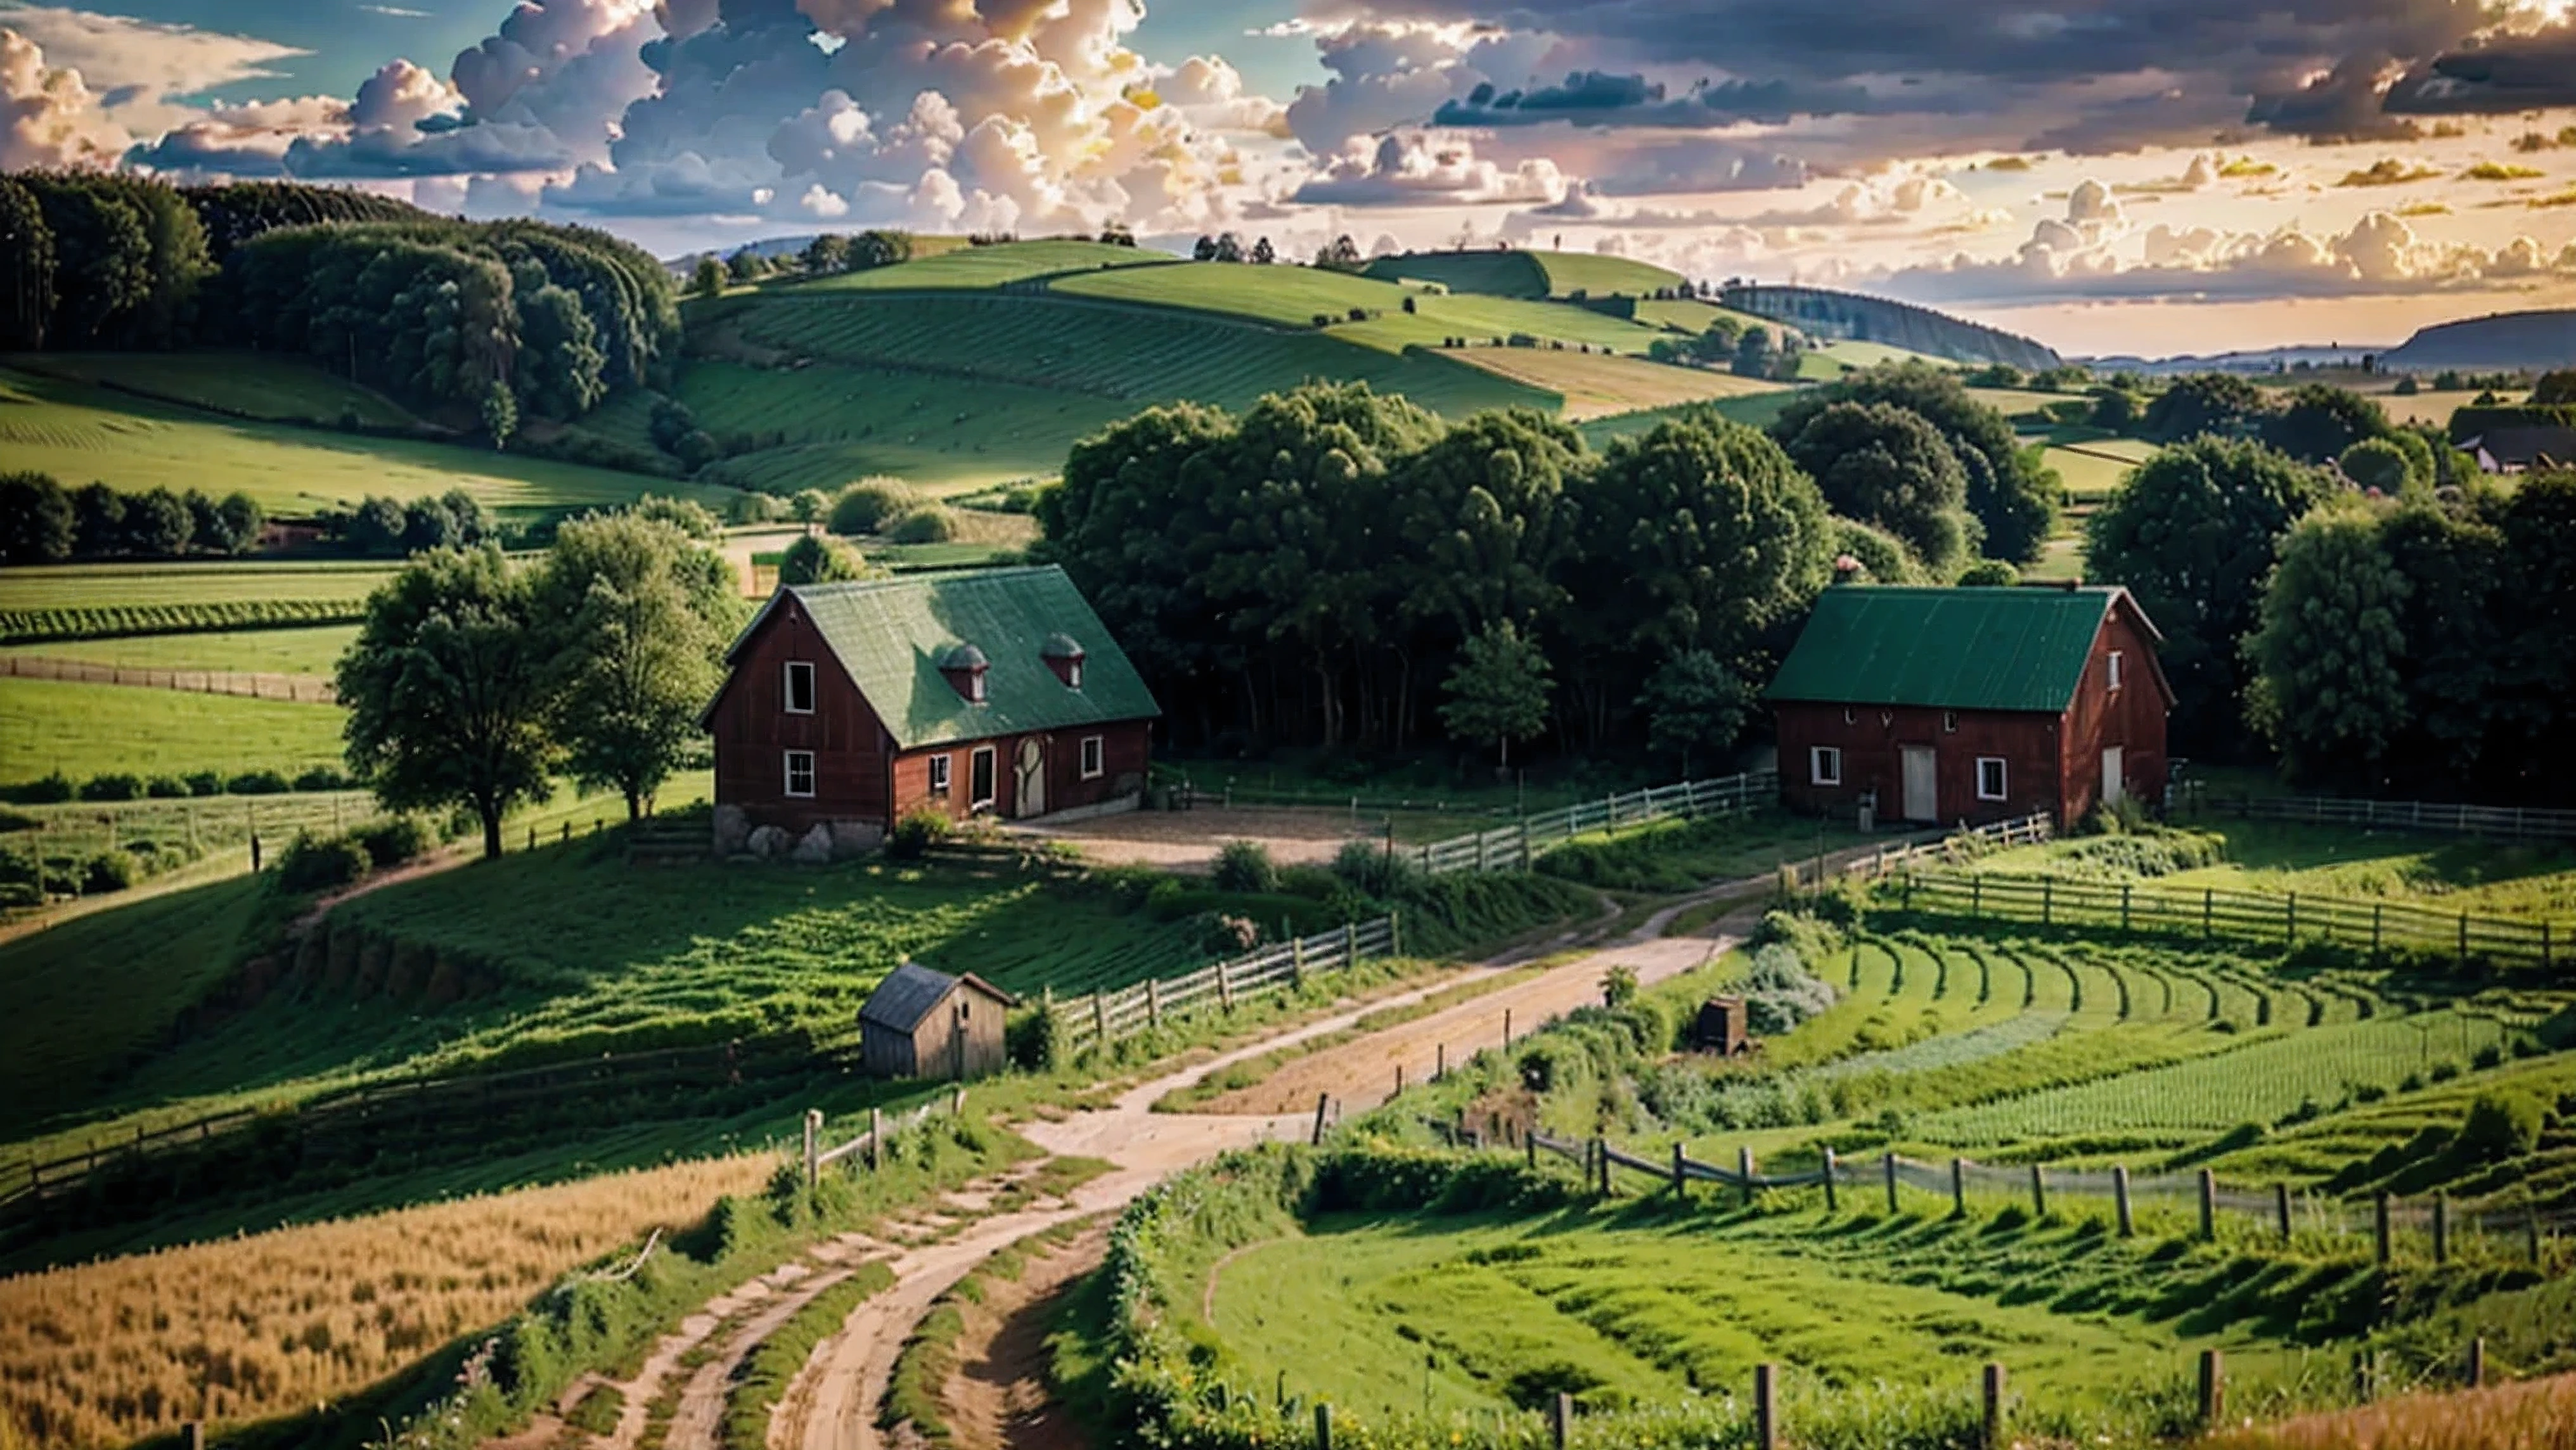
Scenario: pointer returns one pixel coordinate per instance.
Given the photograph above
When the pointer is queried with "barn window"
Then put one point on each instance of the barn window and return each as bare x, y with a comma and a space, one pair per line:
1990, 778
1092, 762
1949, 722
2114, 667
1073, 674
939, 775
800, 687
800, 772
980, 773
1824, 765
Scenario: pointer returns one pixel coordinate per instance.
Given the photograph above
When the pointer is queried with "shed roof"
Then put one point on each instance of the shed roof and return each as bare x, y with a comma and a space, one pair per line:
912, 992
2017, 649
893, 635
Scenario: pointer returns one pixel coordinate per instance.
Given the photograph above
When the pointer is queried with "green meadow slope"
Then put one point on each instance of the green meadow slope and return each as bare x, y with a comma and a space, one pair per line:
1528, 274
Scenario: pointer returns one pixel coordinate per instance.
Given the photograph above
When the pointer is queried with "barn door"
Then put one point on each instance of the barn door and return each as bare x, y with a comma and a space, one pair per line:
1922, 785
2115, 786
1030, 770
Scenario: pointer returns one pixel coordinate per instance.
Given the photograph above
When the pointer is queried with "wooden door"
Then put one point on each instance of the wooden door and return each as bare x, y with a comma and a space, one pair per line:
979, 778
2114, 785
1030, 777
1922, 784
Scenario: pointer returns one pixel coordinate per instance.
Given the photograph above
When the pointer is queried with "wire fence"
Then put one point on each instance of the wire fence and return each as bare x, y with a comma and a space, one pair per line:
2207, 913
1514, 847
301, 689
1106, 1017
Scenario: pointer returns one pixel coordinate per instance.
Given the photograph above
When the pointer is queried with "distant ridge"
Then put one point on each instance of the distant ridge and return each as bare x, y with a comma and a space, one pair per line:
2506, 341
1825, 313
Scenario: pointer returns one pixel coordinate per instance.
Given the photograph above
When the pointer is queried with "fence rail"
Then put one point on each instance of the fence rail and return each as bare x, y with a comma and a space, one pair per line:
304, 689
1958, 846
1105, 1017
2244, 915
2516, 823
1514, 847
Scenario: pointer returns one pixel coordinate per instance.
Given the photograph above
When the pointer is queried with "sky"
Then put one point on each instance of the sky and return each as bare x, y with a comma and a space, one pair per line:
2109, 176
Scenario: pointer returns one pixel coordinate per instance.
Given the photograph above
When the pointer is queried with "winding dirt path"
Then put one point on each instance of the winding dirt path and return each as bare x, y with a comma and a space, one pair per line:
998, 1395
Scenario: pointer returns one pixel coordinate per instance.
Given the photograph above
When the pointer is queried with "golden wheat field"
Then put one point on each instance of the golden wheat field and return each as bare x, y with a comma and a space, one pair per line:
244, 1328
2529, 1415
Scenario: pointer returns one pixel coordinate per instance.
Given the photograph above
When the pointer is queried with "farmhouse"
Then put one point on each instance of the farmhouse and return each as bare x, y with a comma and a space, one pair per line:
1945, 705
976, 692
921, 1023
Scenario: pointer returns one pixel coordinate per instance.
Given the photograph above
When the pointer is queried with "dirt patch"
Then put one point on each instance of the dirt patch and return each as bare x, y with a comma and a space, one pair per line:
998, 1396
1189, 839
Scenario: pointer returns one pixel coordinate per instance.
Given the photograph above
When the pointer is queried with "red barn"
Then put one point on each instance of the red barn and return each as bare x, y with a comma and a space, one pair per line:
1948, 705
978, 692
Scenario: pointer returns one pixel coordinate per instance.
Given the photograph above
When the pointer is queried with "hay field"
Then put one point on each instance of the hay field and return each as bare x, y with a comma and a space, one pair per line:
1599, 385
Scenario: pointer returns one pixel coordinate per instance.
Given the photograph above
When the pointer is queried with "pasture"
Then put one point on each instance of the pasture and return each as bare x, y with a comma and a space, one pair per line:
974, 269
1280, 296
83, 434
1599, 385
1528, 274
82, 730
1755, 410
244, 384
102, 586
1494, 321
2091, 474
308, 651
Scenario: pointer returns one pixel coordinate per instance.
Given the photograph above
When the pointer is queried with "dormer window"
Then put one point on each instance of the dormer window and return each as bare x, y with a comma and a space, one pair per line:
963, 667
1063, 654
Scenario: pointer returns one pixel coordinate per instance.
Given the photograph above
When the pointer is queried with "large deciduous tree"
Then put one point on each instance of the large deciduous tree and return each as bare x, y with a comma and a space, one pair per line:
1695, 707
1889, 466
2319, 421
2329, 687
1497, 690
2012, 497
2219, 404
35, 519
446, 690
2192, 533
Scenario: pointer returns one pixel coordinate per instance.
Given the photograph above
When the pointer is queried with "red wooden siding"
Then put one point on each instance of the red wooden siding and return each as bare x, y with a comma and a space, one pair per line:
753, 732
2131, 717
1126, 747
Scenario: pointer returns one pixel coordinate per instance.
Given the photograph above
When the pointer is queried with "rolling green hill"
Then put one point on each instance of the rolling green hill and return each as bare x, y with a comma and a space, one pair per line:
1482, 320
1282, 296
980, 268
260, 386
1528, 274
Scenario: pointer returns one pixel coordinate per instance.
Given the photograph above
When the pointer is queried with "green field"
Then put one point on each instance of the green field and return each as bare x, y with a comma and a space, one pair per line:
1757, 410
93, 586
1828, 362
1601, 385
985, 268
251, 385
85, 730
1528, 274
2451, 873
1282, 296
2090, 473
83, 434
314, 651
1492, 321
1682, 314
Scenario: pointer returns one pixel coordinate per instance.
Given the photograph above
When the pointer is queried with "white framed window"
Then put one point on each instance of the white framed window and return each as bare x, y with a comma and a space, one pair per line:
800, 773
800, 687
939, 775
1824, 765
1991, 778
981, 776
2113, 677
975, 688
1073, 674
1094, 758
1949, 722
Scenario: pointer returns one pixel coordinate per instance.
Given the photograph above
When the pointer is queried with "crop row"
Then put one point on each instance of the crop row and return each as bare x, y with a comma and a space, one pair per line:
33, 626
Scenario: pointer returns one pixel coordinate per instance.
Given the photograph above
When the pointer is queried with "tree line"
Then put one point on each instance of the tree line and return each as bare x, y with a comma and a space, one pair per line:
475, 678
41, 522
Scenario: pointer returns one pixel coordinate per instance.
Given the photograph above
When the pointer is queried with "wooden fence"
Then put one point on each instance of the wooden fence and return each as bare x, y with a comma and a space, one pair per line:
2512, 823
1957, 847
2207, 913
1514, 847
1106, 1017
303, 689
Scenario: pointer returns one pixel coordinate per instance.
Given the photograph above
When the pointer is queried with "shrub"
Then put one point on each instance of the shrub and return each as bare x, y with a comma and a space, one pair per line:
918, 831
166, 787
868, 505
18, 821
391, 842
311, 863
1223, 935
204, 782
1373, 870
44, 791
2500, 1126
323, 777
1314, 883
1244, 866
108, 871
114, 787
257, 782
1779, 993
1989, 574
928, 524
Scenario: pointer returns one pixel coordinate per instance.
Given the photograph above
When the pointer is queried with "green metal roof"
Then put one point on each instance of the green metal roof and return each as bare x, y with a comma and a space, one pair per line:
891, 635
1952, 649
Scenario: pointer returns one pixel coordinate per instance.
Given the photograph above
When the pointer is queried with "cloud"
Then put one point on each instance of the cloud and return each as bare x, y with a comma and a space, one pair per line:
1411, 170
1597, 98
141, 70
48, 118
2498, 76
1211, 93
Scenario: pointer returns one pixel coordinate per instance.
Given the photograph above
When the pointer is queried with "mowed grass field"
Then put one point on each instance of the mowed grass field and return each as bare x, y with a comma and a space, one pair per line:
312, 651
85, 730
83, 434
253, 385
1600, 385
1531, 274
2452, 873
99, 586
1492, 321
984, 268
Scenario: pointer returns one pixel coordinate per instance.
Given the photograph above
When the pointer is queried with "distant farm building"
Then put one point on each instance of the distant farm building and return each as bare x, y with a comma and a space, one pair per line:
1947, 705
978, 692
921, 1023
1720, 1027
2522, 449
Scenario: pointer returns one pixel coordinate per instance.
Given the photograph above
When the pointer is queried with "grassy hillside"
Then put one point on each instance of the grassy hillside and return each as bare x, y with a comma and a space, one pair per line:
1527, 274
93, 586
1282, 296
313, 651
1495, 320
86, 730
1596, 385
1753, 409
81, 434
247, 384
1683, 314
983, 268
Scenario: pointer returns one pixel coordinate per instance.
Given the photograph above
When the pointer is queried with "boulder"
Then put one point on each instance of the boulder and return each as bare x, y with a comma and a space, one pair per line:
769, 842
816, 848
856, 838
733, 831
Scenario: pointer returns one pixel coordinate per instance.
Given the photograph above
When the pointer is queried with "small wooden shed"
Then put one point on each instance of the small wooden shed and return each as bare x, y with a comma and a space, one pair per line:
1720, 1028
921, 1023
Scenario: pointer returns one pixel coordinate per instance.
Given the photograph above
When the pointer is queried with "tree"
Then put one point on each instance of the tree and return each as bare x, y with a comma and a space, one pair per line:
26, 269
2116, 409
244, 521
1693, 704
2012, 496
1341, 255
1263, 254
158, 524
640, 614
708, 278
2192, 532
810, 506
428, 524
1205, 251
1887, 466
746, 265
446, 690
377, 527
817, 560
500, 415
1498, 690
1755, 353
878, 248
1229, 248
2320, 421
36, 524
2327, 688
2555, 388
2222, 404
827, 254
2383, 467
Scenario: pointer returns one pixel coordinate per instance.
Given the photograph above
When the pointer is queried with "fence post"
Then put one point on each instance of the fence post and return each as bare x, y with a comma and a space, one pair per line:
1153, 1002
1099, 1020
2441, 1228
1224, 987
1439, 1061
1560, 1418
1323, 1413
813, 1130
876, 1139
1994, 1406
2038, 1193
1959, 1187
1399, 1079
1296, 962
1744, 1166
1891, 1184
2208, 902
2213, 1388
1830, 1204
1394, 936
1507, 1027
1320, 1100
2120, 1199
1350, 946
2477, 1361
1601, 1157
1681, 1183
192, 1435
2124, 906
1766, 1406
1529, 1142
2379, 1225
2281, 1208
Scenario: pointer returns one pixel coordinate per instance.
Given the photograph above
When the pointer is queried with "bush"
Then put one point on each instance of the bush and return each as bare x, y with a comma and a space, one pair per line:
1244, 866
166, 787
108, 871
323, 777
1373, 871
928, 524
2501, 1126
257, 782
867, 506
311, 863
918, 831
18, 821
392, 842
1779, 993
114, 787
44, 791
204, 782
1989, 574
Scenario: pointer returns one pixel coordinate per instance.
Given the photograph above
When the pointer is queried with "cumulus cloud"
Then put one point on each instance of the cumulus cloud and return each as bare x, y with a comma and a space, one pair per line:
1211, 93
1406, 170
2497, 75
48, 118
138, 68
1598, 98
